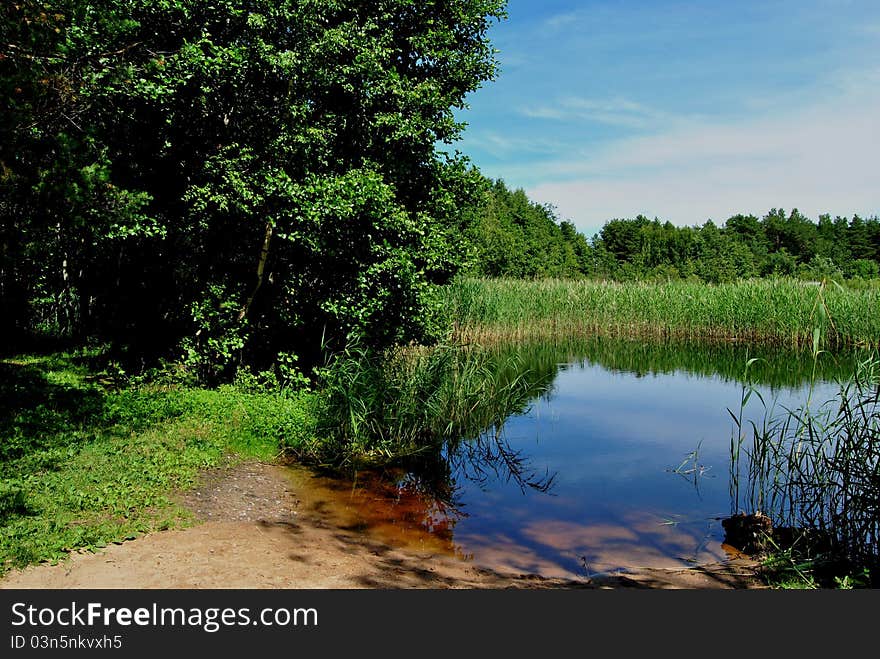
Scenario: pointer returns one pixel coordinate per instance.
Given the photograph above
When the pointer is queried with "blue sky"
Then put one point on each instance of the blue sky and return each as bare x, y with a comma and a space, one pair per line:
685, 111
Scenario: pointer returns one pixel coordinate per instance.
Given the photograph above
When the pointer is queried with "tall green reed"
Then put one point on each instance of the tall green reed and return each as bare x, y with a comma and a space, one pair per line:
380, 406
815, 469
777, 312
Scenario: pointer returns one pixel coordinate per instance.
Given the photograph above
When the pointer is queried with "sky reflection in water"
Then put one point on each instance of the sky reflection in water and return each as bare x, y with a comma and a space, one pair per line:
614, 439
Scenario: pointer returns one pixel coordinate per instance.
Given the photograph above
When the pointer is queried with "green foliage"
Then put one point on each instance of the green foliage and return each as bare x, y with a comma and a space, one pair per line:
820, 268
290, 376
215, 349
745, 246
13, 500
511, 236
378, 408
813, 471
238, 179
779, 264
864, 269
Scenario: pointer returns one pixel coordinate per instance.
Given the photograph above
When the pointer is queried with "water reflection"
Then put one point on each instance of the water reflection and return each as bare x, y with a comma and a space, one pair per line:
613, 456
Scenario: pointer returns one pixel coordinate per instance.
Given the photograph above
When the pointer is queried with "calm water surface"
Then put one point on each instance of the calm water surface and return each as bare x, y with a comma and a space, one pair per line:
621, 460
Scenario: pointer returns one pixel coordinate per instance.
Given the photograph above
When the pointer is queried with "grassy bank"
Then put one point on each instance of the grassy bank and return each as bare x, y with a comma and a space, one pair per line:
88, 458
85, 462
774, 312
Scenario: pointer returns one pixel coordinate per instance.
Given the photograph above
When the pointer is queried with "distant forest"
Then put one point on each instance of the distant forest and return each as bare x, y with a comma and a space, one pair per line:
513, 236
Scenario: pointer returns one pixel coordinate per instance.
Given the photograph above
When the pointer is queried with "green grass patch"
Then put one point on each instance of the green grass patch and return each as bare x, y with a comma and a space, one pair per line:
84, 463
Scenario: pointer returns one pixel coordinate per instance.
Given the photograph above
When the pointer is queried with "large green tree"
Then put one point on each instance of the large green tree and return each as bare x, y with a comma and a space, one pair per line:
513, 236
241, 177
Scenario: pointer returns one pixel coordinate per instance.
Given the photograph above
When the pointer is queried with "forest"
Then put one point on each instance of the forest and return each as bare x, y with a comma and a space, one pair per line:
516, 237
244, 182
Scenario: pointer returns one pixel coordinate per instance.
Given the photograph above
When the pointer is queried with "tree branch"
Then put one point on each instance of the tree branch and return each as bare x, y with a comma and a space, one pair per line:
261, 267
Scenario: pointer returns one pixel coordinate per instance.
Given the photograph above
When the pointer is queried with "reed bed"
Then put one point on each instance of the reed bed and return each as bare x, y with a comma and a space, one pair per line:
378, 407
780, 312
815, 471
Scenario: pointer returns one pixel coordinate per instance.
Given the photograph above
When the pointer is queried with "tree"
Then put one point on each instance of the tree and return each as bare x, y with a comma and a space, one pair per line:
859, 237
57, 202
512, 236
248, 176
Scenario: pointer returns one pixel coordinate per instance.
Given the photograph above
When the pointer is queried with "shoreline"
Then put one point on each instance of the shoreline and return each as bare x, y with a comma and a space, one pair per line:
254, 531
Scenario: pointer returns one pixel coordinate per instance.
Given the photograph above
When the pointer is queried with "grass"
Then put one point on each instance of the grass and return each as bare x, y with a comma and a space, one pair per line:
84, 463
378, 407
781, 312
815, 472
89, 458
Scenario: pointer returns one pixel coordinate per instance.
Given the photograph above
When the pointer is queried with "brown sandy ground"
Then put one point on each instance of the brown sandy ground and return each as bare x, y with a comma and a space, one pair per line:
254, 531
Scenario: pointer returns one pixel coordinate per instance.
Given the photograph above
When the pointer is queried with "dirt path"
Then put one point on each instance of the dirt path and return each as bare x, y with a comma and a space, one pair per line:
256, 531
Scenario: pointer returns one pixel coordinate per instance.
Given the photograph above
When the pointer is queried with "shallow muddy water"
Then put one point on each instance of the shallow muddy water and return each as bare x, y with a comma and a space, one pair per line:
621, 460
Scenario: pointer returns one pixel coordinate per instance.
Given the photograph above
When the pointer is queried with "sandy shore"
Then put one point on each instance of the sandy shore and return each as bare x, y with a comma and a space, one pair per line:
255, 531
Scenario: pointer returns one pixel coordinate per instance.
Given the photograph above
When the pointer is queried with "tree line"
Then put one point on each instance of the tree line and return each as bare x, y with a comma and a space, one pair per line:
515, 237
512, 236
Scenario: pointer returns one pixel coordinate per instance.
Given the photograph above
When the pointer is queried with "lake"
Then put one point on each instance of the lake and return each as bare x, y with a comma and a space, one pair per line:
619, 459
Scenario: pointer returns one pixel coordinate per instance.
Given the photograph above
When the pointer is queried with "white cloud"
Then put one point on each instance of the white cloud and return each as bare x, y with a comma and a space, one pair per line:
564, 20
614, 111
820, 159
505, 146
